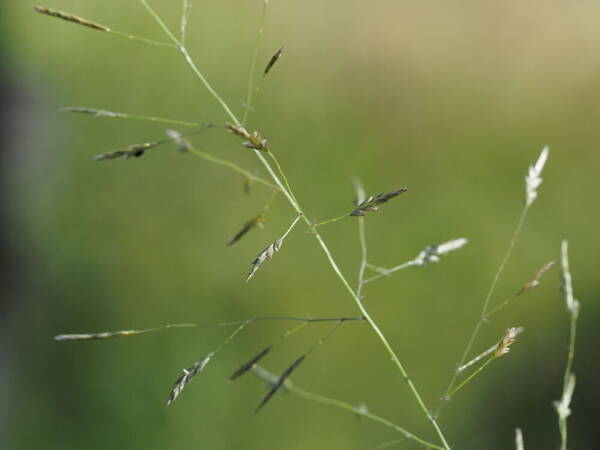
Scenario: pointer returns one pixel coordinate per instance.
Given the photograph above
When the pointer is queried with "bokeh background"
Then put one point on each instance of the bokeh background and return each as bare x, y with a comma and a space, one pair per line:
451, 99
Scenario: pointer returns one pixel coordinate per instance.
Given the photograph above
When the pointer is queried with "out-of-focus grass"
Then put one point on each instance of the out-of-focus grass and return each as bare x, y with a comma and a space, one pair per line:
453, 101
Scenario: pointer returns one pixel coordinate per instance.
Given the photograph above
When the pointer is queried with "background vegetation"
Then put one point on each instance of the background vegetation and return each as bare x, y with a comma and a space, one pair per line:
453, 100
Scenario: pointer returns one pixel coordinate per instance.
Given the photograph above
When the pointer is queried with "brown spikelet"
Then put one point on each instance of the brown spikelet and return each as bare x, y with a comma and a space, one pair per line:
285, 374
535, 281
273, 60
187, 376
372, 203
70, 18
509, 338
250, 363
254, 141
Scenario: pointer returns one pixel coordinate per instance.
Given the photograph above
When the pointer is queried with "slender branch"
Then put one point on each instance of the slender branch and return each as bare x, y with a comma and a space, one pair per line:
118, 115
484, 310
386, 272
233, 166
328, 221
141, 39
469, 378
360, 411
248, 104
297, 319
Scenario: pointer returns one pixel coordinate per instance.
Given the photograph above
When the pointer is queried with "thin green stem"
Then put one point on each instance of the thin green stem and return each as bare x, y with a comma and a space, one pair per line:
141, 39
386, 272
294, 203
328, 221
297, 390
469, 378
119, 115
248, 104
294, 319
282, 174
233, 166
484, 310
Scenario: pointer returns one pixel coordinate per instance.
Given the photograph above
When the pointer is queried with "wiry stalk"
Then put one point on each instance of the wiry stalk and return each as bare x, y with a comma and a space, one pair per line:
361, 411
294, 203
484, 310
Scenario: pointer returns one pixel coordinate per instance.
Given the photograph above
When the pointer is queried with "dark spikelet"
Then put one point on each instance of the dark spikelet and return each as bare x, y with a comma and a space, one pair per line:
273, 60
187, 376
250, 363
70, 18
535, 280
135, 151
286, 373
252, 223
372, 203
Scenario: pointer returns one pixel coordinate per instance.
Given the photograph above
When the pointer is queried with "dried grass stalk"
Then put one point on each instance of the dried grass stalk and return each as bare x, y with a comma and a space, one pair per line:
187, 376
250, 363
70, 18
372, 203
285, 374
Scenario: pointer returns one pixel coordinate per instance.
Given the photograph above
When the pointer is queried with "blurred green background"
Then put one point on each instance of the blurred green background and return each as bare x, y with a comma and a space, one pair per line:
451, 99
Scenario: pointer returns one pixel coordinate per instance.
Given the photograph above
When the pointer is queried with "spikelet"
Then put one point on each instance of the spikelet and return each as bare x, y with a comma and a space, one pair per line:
70, 18
135, 151
432, 253
563, 407
92, 111
183, 145
572, 304
284, 375
509, 338
268, 252
533, 179
372, 203
248, 365
249, 225
273, 60
187, 376
535, 281
254, 141
519, 445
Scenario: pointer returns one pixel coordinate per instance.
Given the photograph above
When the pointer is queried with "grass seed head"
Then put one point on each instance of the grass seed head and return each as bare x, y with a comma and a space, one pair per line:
70, 18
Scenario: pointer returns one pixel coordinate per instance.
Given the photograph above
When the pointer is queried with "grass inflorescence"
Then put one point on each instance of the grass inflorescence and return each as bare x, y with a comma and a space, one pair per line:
277, 182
